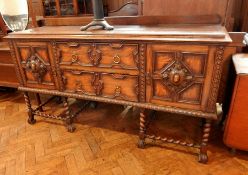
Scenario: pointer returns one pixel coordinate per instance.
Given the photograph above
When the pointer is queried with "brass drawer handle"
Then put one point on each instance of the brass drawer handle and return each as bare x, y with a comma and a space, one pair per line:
117, 91
117, 59
74, 57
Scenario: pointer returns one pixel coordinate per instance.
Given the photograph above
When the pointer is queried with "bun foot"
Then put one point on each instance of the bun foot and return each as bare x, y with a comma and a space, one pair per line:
31, 121
203, 158
141, 144
71, 128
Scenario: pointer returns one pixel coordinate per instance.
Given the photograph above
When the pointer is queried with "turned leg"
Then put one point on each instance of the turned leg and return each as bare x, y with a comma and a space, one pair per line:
38, 100
142, 132
69, 120
31, 119
203, 157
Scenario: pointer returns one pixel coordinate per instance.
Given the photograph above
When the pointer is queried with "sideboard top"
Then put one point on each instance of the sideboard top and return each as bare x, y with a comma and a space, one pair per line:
180, 32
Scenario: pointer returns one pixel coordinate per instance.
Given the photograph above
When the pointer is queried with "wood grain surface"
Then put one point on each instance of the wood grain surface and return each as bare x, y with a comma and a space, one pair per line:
100, 147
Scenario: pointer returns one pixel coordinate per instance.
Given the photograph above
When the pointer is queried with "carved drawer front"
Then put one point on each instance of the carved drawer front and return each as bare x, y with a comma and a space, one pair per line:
122, 87
114, 86
179, 75
104, 55
35, 65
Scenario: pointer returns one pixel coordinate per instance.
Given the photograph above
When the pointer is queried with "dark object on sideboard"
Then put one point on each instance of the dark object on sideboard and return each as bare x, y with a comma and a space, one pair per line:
98, 17
236, 129
128, 9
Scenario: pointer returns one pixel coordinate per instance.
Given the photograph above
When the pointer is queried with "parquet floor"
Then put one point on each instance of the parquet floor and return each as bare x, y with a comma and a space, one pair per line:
104, 143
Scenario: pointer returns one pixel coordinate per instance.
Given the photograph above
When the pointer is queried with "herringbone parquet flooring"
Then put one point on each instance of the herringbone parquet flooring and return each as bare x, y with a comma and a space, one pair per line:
103, 143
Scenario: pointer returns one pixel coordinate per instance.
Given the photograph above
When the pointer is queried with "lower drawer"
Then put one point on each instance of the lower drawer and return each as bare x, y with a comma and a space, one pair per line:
115, 86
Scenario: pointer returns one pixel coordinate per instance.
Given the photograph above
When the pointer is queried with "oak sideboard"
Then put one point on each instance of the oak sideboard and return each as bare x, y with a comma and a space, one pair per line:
170, 68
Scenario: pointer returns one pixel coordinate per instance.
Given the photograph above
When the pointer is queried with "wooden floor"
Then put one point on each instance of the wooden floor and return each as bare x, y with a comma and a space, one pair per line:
104, 143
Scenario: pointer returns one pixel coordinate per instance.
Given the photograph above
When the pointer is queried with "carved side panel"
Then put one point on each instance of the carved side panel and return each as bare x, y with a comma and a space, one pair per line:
216, 77
142, 75
56, 56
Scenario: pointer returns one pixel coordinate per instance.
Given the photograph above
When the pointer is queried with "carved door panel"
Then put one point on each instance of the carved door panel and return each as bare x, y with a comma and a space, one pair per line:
179, 75
35, 65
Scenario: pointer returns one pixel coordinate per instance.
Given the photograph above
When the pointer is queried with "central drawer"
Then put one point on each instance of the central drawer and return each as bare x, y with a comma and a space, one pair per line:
104, 55
114, 86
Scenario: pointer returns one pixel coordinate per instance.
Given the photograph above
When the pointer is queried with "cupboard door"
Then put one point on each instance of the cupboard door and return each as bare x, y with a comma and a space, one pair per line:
35, 65
179, 75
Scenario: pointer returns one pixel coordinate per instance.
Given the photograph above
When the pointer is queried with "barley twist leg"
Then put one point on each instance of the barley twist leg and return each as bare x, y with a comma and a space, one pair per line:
203, 157
31, 119
69, 120
142, 130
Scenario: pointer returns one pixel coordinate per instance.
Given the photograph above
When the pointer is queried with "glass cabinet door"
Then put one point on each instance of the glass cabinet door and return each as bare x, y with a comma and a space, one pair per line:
85, 7
66, 7
50, 8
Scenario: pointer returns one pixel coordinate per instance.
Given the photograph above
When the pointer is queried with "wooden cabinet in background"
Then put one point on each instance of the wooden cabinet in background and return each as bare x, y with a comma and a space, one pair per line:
66, 8
226, 10
116, 4
236, 129
244, 16
8, 76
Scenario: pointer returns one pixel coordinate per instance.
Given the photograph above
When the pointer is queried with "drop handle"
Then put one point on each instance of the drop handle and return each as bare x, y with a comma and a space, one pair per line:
74, 57
116, 59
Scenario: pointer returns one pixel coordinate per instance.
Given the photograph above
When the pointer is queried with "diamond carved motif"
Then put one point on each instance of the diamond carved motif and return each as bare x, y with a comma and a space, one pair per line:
177, 77
37, 67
